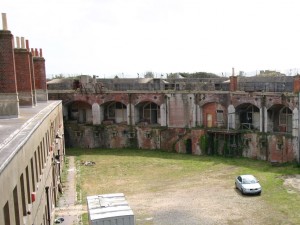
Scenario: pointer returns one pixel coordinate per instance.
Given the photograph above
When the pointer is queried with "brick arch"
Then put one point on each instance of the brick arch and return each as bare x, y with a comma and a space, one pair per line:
147, 112
247, 116
214, 114
114, 112
279, 118
80, 111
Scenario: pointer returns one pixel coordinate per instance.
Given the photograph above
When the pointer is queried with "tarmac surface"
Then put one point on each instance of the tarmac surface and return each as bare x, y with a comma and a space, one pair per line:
68, 209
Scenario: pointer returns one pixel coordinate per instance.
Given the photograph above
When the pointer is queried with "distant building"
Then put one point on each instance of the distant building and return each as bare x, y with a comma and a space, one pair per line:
31, 136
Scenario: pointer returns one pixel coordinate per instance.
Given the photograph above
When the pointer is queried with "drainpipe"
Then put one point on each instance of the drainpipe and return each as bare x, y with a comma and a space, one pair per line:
48, 205
130, 113
263, 126
299, 128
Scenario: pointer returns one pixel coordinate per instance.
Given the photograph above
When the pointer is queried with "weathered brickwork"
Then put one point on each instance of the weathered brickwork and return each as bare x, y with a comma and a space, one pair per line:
235, 123
7, 63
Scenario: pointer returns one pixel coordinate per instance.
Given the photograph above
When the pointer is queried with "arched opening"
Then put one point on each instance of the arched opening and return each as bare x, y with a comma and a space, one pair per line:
247, 117
148, 113
80, 111
115, 112
214, 115
280, 119
188, 146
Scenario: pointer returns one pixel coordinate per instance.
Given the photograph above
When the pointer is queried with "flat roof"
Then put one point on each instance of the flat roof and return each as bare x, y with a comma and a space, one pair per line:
14, 132
102, 207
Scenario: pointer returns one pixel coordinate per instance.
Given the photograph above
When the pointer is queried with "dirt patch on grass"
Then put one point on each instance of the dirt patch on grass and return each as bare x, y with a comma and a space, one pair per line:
292, 183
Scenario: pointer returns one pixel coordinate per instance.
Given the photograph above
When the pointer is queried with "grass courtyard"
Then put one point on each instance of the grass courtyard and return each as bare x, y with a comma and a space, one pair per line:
169, 188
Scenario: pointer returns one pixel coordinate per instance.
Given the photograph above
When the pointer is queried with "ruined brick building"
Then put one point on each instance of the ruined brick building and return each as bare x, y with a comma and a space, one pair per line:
255, 117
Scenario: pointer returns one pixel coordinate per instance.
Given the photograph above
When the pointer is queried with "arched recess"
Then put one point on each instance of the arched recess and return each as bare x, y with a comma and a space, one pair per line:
214, 115
80, 111
280, 119
147, 113
247, 117
114, 112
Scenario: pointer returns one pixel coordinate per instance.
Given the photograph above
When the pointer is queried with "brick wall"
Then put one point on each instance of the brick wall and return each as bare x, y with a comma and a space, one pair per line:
7, 63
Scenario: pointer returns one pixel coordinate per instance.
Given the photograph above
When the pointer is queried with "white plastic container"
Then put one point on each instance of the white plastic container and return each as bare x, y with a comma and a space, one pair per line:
109, 209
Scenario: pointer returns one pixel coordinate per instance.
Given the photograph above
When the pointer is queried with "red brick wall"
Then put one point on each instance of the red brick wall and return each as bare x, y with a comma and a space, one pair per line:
7, 63
297, 84
39, 73
209, 108
23, 70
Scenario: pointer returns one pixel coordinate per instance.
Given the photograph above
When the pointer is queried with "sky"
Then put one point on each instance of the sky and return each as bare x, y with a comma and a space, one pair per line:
130, 37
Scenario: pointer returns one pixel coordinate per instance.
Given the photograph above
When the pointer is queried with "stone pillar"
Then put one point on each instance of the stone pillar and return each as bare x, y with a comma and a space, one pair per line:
101, 114
96, 114
40, 76
192, 111
130, 114
231, 117
200, 115
163, 115
295, 122
263, 119
23, 74
9, 101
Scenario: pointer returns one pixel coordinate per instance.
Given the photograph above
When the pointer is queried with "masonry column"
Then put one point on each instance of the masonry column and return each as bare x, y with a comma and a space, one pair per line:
23, 74
9, 102
40, 76
231, 117
96, 114
163, 115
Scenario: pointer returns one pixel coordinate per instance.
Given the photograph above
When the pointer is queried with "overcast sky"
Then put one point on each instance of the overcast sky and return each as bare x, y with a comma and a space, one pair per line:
109, 37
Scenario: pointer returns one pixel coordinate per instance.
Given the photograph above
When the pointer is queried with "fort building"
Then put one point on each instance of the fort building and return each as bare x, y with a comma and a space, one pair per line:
255, 117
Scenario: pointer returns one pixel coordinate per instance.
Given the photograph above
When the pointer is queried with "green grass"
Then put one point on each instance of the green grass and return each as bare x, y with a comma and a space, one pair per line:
130, 171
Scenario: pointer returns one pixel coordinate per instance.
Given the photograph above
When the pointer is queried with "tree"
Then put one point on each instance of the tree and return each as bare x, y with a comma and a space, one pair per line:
149, 74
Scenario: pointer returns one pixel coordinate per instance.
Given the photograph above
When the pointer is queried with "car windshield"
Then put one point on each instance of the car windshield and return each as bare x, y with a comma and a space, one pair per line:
249, 180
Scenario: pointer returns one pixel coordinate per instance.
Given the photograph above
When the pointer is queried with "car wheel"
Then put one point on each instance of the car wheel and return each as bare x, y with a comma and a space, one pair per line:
259, 193
242, 191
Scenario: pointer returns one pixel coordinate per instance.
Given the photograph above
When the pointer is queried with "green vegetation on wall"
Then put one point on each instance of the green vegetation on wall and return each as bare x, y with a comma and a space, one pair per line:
204, 143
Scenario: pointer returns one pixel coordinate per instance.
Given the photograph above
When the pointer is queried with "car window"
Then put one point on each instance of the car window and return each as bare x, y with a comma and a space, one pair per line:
239, 178
249, 181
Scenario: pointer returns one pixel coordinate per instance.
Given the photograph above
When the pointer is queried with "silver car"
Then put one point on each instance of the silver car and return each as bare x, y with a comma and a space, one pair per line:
248, 184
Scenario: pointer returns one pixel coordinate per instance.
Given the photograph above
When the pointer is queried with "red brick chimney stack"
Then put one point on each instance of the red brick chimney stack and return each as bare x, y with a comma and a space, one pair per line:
233, 82
23, 73
31, 73
9, 102
297, 83
40, 76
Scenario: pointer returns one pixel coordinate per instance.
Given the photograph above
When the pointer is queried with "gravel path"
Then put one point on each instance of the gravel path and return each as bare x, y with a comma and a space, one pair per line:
67, 207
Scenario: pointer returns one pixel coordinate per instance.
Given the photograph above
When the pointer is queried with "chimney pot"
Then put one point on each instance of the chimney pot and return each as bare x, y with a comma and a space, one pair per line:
23, 42
18, 42
36, 53
4, 21
41, 52
27, 45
